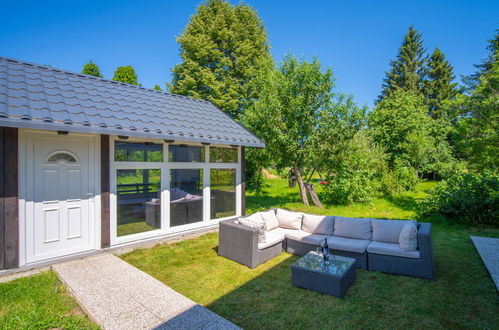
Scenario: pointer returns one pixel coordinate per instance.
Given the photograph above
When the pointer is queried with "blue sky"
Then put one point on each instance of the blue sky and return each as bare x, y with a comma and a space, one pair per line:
356, 38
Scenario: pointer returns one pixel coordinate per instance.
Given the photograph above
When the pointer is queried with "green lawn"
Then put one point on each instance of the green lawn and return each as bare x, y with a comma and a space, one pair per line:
461, 296
37, 302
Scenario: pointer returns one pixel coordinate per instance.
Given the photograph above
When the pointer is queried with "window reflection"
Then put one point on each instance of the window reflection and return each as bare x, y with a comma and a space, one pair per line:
139, 201
183, 153
138, 152
223, 191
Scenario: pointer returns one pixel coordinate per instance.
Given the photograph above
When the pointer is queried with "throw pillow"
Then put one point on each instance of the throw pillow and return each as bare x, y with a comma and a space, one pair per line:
318, 224
259, 225
289, 219
408, 239
270, 219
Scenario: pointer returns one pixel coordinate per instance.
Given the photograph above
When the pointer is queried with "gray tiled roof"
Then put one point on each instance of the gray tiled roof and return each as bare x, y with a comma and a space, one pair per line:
35, 96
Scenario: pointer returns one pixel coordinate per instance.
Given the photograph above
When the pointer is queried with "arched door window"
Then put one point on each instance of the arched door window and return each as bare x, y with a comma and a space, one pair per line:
62, 156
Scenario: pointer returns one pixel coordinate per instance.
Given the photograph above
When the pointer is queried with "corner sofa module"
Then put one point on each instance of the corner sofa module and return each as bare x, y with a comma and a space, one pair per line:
373, 243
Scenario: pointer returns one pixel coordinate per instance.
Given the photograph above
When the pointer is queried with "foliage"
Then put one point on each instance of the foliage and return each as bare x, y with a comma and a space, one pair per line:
233, 290
438, 84
223, 48
398, 178
126, 74
91, 69
156, 87
294, 98
468, 198
407, 69
477, 132
357, 168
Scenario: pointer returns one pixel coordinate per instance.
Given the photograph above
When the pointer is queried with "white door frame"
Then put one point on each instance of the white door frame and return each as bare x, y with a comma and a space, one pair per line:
26, 171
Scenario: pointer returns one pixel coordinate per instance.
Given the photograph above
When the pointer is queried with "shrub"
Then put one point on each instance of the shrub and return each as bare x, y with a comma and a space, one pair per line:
348, 187
401, 177
469, 198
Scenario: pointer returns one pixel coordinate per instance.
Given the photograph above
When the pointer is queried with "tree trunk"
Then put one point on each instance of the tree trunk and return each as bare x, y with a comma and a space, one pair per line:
303, 190
291, 179
313, 195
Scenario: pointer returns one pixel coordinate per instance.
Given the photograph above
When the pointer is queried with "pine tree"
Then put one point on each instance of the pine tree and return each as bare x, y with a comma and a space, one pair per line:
223, 48
407, 69
91, 69
438, 84
473, 80
156, 87
126, 74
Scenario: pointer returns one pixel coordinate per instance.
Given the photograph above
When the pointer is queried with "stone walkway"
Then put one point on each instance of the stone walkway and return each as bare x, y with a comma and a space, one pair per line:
117, 295
488, 248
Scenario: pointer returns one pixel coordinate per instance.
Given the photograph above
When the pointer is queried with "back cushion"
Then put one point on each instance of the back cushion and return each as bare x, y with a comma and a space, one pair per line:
318, 224
359, 228
259, 225
289, 219
257, 217
408, 239
388, 230
270, 219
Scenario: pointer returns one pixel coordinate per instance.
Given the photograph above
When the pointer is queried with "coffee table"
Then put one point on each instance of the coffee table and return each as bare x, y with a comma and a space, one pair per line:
334, 279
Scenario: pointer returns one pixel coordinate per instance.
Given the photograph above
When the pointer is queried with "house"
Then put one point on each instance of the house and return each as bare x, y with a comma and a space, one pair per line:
89, 164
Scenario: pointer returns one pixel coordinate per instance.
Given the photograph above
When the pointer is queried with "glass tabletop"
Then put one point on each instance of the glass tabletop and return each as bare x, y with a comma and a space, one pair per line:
337, 266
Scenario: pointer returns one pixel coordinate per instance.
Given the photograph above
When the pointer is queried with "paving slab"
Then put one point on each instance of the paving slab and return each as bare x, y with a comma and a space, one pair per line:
488, 248
116, 295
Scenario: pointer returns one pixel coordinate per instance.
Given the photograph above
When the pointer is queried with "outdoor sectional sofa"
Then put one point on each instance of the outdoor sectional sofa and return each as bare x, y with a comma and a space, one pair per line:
375, 244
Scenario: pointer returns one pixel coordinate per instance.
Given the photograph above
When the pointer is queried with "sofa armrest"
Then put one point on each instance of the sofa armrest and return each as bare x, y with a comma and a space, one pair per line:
236, 237
425, 244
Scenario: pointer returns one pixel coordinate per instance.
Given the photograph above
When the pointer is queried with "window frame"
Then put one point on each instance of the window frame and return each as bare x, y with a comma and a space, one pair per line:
165, 166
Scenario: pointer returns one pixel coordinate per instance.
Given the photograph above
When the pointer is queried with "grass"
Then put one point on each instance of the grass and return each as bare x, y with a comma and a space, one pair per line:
461, 296
37, 302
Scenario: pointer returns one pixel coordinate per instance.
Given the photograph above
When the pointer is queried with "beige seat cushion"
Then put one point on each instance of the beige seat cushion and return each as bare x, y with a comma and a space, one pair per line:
408, 239
391, 249
305, 237
257, 217
359, 228
318, 224
388, 230
284, 231
273, 237
347, 244
270, 219
289, 219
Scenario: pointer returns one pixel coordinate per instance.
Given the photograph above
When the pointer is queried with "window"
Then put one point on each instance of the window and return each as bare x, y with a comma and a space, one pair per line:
138, 152
186, 196
62, 156
223, 155
184, 153
223, 192
139, 200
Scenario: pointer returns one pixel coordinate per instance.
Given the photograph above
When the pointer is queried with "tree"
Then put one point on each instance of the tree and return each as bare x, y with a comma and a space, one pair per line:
407, 69
477, 133
438, 84
126, 74
223, 48
156, 87
292, 99
473, 80
91, 69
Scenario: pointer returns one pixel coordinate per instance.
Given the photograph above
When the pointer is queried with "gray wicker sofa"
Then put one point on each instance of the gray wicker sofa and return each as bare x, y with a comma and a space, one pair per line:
373, 243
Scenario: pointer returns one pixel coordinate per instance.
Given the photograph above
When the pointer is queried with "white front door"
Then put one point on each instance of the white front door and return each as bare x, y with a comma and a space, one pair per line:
62, 188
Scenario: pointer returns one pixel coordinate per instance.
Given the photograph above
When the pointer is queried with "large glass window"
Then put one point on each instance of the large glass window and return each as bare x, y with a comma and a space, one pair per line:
139, 201
186, 196
223, 191
138, 152
223, 155
183, 153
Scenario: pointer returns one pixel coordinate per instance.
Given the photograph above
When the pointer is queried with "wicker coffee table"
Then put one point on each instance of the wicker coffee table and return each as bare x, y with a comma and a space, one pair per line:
334, 279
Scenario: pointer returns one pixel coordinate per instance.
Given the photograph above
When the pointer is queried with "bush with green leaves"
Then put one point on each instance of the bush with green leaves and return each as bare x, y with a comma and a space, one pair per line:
469, 198
349, 186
